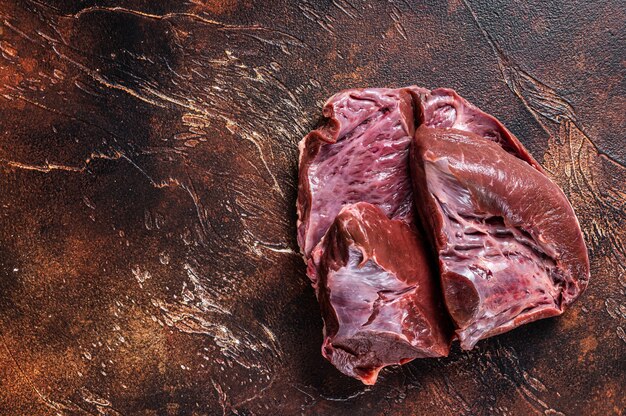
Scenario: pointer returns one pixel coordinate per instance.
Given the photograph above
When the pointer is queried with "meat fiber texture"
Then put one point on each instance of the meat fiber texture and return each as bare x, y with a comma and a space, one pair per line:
509, 245
377, 294
361, 155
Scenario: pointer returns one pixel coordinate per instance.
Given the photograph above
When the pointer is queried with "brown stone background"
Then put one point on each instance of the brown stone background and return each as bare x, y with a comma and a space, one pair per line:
148, 154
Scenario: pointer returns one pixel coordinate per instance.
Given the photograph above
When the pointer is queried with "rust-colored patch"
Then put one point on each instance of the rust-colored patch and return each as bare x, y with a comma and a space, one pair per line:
28, 64
216, 6
454, 6
539, 24
587, 345
356, 77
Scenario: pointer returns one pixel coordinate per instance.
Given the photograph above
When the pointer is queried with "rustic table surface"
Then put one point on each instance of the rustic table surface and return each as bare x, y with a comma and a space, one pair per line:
148, 154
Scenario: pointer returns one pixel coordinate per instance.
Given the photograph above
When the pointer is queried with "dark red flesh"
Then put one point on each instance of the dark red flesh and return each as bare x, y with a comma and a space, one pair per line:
491, 224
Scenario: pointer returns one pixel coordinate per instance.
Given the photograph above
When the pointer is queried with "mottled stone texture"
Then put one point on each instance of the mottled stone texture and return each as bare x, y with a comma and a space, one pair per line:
148, 163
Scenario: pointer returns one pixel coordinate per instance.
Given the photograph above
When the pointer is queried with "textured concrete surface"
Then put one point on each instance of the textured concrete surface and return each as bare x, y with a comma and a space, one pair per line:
148, 154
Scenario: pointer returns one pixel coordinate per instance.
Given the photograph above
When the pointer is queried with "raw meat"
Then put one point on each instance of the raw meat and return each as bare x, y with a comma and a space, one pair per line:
359, 155
510, 247
379, 299
502, 261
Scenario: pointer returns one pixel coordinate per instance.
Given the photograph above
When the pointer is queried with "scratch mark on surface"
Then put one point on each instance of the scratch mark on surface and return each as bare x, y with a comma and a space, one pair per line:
48, 402
51, 166
8, 51
539, 99
506, 362
220, 26
325, 22
19, 32
257, 395
103, 406
396, 16
48, 167
84, 88
70, 116
200, 212
276, 248
221, 396
186, 319
346, 7
201, 313
348, 397
43, 4
139, 168
187, 104
301, 390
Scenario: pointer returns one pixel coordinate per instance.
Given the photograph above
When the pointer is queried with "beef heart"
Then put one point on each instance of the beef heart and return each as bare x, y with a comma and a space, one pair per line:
379, 298
510, 247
